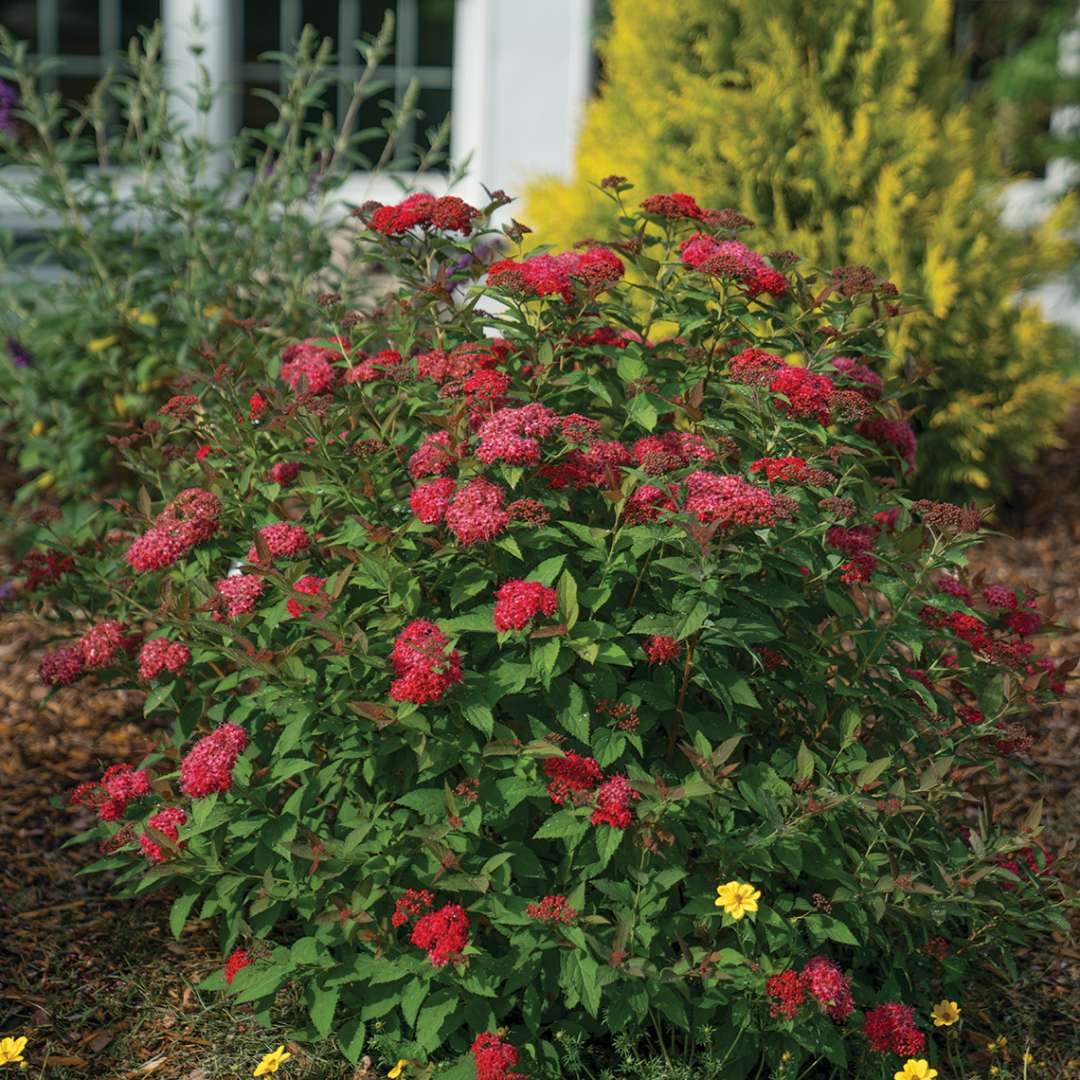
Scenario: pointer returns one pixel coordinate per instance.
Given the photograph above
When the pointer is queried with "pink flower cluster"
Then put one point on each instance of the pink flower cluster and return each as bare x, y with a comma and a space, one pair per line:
552, 909
425, 669
313, 366
731, 501
614, 803
283, 540
512, 435
674, 207
891, 1028
805, 394
476, 512
239, 593
284, 472
647, 504
731, 259
443, 934
99, 647
208, 765
109, 796
448, 213
189, 519
166, 821
517, 603
433, 458
894, 437
596, 269
659, 454
160, 654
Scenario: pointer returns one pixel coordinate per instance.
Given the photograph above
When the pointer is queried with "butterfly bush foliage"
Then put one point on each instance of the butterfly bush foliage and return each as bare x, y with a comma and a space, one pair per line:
505, 623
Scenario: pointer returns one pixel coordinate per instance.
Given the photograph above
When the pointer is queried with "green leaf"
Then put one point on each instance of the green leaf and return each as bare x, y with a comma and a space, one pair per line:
181, 908
431, 1020
351, 1040
321, 1008
869, 773
568, 601
561, 825
804, 763
412, 998
157, 697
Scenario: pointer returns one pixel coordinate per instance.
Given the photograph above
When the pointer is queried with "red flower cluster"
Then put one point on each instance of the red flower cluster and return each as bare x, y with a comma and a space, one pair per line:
97, 648
447, 213
512, 435
189, 519
599, 466
891, 1028
894, 437
411, 903
462, 361
160, 654
283, 541
596, 269
239, 592
870, 382
430, 501
552, 909
101, 643
207, 767
614, 803
731, 501
570, 775
309, 585
284, 472
790, 470
443, 934
494, 1058
62, 666
805, 394
830, 986
237, 961
433, 458
754, 367
110, 795
424, 668
647, 504
731, 259
167, 822
661, 649
517, 603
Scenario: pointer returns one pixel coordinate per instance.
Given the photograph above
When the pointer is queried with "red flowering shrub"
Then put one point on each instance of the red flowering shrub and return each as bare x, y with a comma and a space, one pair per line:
566, 622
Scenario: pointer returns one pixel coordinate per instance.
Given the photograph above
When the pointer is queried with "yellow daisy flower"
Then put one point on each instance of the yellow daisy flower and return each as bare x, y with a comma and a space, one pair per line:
102, 343
945, 1013
272, 1062
11, 1051
916, 1070
398, 1069
737, 898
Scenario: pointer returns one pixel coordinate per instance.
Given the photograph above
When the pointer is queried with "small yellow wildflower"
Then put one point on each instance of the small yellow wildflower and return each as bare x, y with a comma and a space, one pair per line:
915, 1070
45, 480
144, 318
212, 310
119, 404
945, 1013
11, 1051
1028, 1058
38, 428
785, 1056
272, 1062
737, 898
398, 1069
102, 343
994, 1070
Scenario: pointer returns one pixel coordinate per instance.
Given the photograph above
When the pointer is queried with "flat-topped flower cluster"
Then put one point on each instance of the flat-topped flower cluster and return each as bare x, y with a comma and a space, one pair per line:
496, 635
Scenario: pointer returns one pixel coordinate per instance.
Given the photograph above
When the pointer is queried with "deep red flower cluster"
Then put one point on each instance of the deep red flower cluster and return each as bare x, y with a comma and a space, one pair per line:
166, 821
284, 472
790, 470
160, 654
443, 934
659, 454
614, 803
894, 437
448, 213
517, 603
283, 540
753, 367
61, 667
43, 568
673, 207
461, 361
552, 909
598, 466
476, 512
822, 979
512, 435
732, 259
101, 643
570, 776
192, 517
239, 593
661, 649
433, 457
647, 504
109, 796
731, 501
237, 961
494, 1058
596, 269
208, 765
870, 382
890, 1028
411, 904
430, 501
97, 648
424, 668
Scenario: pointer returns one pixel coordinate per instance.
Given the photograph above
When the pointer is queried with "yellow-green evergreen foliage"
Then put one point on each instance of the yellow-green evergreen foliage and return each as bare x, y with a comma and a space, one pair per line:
836, 126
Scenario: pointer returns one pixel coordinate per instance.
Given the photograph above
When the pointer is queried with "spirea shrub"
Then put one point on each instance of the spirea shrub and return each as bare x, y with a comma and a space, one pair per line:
552, 657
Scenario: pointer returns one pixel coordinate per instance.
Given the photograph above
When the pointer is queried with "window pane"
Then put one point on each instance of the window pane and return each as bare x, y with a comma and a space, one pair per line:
79, 28
434, 104
323, 15
20, 17
436, 46
256, 111
76, 88
136, 13
262, 22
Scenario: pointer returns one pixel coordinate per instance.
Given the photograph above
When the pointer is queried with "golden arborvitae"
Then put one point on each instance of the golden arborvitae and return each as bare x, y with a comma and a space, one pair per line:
835, 125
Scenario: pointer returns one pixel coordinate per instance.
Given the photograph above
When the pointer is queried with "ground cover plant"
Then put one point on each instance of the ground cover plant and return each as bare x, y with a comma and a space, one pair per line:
154, 241
554, 654
843, 132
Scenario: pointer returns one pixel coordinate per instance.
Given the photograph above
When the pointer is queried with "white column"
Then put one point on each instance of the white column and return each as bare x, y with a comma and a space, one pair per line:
521, 80
203, 35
